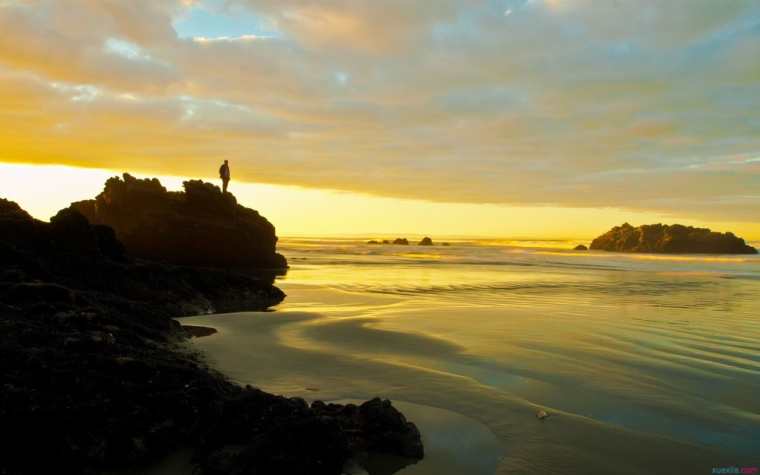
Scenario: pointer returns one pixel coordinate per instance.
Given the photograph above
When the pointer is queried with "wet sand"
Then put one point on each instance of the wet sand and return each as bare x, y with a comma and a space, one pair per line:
647, 364
289, 353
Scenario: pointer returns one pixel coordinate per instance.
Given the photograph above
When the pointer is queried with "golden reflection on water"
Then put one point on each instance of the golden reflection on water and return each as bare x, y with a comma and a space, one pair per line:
649, 365
651, 257
421, 255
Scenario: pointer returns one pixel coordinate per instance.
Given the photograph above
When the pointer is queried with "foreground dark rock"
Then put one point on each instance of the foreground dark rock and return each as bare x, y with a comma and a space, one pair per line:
670, 239
95, 376
323, 436
199, 227
93, 265
386, 429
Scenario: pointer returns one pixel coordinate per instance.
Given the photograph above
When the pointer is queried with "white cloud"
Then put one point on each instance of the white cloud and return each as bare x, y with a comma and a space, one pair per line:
228, 39
436, 100
125, 49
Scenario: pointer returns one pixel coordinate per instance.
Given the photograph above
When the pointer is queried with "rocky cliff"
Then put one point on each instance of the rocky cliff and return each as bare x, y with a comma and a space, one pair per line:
95, 380
670, 239
198, 227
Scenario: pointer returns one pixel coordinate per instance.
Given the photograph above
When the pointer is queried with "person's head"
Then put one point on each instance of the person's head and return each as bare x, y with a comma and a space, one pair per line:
225, 162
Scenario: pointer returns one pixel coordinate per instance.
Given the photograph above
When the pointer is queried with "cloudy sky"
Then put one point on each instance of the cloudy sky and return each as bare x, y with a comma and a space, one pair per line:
644, 106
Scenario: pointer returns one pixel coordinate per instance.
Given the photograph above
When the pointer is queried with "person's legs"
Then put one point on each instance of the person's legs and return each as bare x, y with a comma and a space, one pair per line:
224, 185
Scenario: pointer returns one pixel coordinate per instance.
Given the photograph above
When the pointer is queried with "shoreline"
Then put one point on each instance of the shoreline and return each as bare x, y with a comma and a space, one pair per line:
440, 428
296, 343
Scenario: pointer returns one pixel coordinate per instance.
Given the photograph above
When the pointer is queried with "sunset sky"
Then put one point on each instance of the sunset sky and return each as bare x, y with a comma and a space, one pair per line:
515, 118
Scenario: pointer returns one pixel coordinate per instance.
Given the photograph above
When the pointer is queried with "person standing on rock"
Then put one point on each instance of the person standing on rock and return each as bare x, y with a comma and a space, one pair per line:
224, 174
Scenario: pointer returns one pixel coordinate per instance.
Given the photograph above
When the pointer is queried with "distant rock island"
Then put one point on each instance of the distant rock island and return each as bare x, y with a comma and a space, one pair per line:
670, 239
198, 227
426, 241
580, 247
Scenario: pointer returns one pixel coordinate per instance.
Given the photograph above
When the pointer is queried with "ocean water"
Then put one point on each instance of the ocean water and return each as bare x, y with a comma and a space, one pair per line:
645, 363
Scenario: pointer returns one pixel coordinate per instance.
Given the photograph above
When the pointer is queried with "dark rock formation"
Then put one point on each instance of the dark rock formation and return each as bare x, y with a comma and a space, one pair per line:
670, 239
90, 260
401, 241
580, 247
323, 435
426, 241
387, 429
94, 378
198, 227
372, 241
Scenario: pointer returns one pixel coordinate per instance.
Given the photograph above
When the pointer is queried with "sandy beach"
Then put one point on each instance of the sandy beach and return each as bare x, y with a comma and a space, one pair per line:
489, 360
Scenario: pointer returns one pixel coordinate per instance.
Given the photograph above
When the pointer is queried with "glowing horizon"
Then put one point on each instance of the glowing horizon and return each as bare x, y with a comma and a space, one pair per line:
610, 111
42, 190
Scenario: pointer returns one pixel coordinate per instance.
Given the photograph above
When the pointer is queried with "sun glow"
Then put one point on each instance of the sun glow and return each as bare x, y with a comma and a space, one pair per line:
296, 211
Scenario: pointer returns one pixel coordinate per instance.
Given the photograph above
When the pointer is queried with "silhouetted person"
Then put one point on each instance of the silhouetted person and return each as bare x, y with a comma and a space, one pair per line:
224, 174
